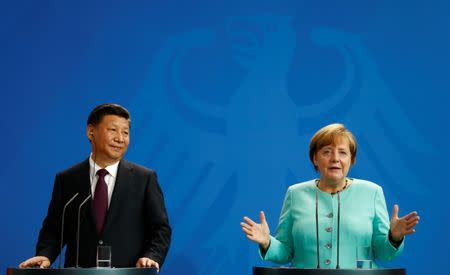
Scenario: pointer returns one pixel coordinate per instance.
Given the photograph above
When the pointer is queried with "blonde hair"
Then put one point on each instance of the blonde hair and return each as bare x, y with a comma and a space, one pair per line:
329, 135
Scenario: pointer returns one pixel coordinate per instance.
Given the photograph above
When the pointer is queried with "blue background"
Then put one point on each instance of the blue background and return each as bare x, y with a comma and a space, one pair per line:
224, 97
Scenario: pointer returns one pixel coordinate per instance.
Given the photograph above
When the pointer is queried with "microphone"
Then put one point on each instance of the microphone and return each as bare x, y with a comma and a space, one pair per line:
317, 229
62, 227
78, 227
338, 227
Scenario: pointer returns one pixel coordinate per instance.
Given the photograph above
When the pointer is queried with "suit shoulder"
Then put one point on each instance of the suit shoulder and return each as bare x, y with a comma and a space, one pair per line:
76, 168
140, 169
302, 186
367, 185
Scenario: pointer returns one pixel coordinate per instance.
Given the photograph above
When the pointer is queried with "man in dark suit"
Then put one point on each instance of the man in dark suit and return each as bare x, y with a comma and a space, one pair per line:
127, 210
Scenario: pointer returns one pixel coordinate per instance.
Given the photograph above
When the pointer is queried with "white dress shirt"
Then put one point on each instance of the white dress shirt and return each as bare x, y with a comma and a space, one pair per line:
110, 178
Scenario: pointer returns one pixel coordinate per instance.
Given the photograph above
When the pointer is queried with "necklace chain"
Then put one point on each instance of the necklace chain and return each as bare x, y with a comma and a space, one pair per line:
334, 193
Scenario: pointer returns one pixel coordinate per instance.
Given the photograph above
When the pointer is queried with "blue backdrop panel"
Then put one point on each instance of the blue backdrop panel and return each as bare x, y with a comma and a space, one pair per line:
224, 98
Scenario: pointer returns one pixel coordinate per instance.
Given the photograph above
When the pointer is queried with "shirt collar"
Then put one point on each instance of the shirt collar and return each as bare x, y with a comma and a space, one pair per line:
112, 169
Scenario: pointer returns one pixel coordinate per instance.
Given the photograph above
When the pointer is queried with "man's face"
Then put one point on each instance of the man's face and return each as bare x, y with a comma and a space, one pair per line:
110, 139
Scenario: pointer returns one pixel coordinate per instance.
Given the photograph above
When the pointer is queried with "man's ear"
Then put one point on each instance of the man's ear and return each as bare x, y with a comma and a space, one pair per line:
90, 132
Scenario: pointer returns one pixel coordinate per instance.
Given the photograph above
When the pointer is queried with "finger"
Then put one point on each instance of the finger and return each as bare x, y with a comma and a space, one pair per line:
28, 263
249, 221
247, 231
410, 215
243, 224
395, 212
408, 227
262, 217
31, 262
402, 223
409, 232
154, 264
412, 220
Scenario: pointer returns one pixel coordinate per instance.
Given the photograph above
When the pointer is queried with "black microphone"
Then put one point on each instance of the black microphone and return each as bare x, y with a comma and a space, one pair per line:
62, 227
317, 229
78, 227
338, 226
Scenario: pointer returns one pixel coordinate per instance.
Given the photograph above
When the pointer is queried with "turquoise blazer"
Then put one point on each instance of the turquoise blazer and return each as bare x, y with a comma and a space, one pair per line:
364, 221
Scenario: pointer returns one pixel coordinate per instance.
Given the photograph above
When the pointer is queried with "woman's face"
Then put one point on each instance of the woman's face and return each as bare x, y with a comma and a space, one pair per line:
333, 161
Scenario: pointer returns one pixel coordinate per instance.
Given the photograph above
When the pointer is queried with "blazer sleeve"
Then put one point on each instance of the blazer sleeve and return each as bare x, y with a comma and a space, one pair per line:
49, 236
383, 249
158, 231
281, 246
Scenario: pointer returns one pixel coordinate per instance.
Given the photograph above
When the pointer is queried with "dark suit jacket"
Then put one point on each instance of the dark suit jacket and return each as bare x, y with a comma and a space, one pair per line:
136, 223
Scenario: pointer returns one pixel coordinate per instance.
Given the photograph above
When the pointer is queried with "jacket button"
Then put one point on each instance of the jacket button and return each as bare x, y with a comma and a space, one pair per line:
327, 262
329, 229
330, 215
328, 245
100, 242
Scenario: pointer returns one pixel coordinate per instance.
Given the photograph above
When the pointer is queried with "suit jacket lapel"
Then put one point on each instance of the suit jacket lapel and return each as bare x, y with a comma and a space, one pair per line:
124, 177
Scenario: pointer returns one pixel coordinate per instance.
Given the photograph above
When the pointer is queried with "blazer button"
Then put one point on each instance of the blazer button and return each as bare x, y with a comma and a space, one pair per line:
328, 245
327, 262
100, 242
330, 215
328, 229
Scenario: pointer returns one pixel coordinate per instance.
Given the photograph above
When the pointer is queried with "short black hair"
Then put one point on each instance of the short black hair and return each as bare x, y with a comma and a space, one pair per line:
97, 114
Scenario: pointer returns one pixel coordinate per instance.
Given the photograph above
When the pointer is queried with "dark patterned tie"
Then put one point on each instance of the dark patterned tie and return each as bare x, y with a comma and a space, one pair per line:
100, 200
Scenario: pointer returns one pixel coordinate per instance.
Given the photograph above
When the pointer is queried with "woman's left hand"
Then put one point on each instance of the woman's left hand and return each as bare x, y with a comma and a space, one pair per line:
400, 227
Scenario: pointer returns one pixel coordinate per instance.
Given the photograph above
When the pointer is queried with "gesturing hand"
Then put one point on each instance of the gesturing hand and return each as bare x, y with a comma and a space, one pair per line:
257, 232
403, 226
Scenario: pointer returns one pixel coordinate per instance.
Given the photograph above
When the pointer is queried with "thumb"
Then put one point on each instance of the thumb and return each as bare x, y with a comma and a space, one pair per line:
395, 212
262, 217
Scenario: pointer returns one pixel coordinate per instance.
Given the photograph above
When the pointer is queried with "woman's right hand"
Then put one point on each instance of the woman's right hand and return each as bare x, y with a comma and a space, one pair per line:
257, 232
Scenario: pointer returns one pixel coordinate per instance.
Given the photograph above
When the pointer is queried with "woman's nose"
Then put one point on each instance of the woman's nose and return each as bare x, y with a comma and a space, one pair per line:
334, 157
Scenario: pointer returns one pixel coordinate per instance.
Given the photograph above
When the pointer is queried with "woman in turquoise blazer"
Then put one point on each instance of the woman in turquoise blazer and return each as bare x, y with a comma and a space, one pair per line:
314, 211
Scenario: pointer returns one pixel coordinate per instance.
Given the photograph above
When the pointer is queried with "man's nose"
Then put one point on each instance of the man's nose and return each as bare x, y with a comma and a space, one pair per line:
119, 138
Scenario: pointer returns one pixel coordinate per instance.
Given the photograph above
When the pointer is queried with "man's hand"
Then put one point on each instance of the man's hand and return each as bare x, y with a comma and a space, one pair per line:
147, 262
38, 261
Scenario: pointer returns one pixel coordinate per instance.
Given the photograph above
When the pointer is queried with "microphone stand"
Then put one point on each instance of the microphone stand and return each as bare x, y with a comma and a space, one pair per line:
317, 229
338, 228
62, 227
78, 227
